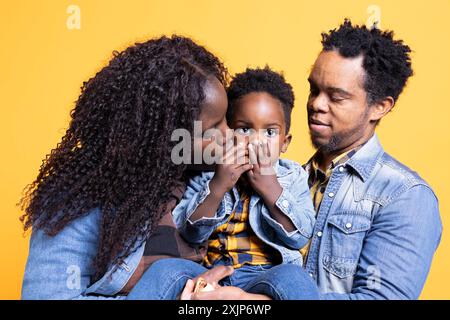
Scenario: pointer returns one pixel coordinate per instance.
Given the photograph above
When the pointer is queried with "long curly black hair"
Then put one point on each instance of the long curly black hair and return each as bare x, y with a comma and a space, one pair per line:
115, 155
387, 62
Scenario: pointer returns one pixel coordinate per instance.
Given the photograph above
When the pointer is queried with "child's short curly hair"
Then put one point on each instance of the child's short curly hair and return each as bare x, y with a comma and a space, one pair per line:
262, 80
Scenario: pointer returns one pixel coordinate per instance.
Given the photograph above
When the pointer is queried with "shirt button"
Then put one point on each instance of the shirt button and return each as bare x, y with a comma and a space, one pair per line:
319, 234
348, 225
311, 275
331, 194
285, 203
341, 169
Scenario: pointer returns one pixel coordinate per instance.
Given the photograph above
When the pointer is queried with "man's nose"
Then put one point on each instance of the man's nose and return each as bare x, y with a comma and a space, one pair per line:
318, 103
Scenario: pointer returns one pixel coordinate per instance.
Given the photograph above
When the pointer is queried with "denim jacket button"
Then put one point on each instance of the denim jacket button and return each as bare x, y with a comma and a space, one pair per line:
348, 225
319, 234
285, 203
341, 169
331, 194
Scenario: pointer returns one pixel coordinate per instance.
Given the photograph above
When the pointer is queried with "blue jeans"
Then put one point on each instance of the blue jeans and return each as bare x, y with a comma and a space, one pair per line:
166, 278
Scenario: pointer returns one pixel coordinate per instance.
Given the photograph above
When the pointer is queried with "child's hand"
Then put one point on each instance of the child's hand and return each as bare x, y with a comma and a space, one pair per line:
262, 177
234, 163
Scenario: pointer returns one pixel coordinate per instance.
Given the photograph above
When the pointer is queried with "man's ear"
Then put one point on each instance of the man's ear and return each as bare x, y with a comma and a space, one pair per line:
286, 142
381, 108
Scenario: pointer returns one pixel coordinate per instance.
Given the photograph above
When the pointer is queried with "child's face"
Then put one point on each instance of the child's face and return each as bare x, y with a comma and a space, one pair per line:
259, 117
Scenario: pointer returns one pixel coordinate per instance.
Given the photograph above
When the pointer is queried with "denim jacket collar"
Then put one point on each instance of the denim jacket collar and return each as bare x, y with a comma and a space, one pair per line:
364, 160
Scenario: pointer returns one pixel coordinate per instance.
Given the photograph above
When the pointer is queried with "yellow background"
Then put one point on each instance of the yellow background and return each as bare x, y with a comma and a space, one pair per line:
43, 64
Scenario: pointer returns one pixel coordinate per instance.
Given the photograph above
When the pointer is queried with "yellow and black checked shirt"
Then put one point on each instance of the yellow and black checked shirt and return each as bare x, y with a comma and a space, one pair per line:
236, 242
318, 181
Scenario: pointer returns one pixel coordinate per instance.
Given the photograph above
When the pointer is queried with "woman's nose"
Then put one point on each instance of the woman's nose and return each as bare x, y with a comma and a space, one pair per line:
223, 127
224, 132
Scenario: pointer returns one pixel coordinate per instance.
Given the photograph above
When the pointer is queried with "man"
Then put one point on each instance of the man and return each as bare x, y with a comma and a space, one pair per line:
378, 222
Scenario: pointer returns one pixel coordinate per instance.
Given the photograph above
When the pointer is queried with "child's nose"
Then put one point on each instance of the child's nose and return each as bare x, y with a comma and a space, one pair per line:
257, 138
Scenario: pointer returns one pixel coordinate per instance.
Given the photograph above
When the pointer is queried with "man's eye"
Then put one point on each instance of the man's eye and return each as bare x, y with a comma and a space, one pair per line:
336, 99
271, 132
244, 131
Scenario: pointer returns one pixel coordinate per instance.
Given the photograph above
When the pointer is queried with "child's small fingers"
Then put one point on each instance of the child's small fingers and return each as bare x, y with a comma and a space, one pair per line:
252, 154
264, 149
231, 156
244, 168
261, 153
241, 150
243, 159
227, 144
267, 149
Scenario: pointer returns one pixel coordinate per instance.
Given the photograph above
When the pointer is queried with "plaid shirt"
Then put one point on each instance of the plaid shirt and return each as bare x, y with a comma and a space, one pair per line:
318, 181
235, 242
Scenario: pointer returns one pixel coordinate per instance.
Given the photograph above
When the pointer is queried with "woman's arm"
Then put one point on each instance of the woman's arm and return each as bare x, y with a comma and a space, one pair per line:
60, 267
213, 276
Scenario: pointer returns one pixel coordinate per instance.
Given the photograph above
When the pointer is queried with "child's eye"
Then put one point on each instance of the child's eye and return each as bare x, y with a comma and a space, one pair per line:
244, 131
271, 132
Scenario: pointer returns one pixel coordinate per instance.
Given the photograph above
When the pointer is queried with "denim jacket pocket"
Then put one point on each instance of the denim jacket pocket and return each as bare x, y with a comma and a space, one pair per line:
343, 242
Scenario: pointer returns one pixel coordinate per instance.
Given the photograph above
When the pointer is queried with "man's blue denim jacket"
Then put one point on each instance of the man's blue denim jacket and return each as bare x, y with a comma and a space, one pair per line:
294, 201
375, 236
376, 231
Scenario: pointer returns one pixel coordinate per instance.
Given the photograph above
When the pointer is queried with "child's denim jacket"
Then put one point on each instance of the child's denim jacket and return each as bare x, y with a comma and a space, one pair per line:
295, 202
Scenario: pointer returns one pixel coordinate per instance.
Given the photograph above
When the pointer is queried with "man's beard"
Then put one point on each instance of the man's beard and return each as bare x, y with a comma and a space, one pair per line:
333, 143
337, 141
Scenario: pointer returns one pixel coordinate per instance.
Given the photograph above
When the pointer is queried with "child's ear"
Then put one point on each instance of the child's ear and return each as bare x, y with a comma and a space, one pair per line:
286, 142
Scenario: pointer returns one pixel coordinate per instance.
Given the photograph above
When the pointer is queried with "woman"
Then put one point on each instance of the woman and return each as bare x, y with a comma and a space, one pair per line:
100, 205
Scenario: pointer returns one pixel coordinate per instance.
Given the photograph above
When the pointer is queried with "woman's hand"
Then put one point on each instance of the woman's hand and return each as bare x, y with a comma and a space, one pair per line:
220, 293
213, 277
